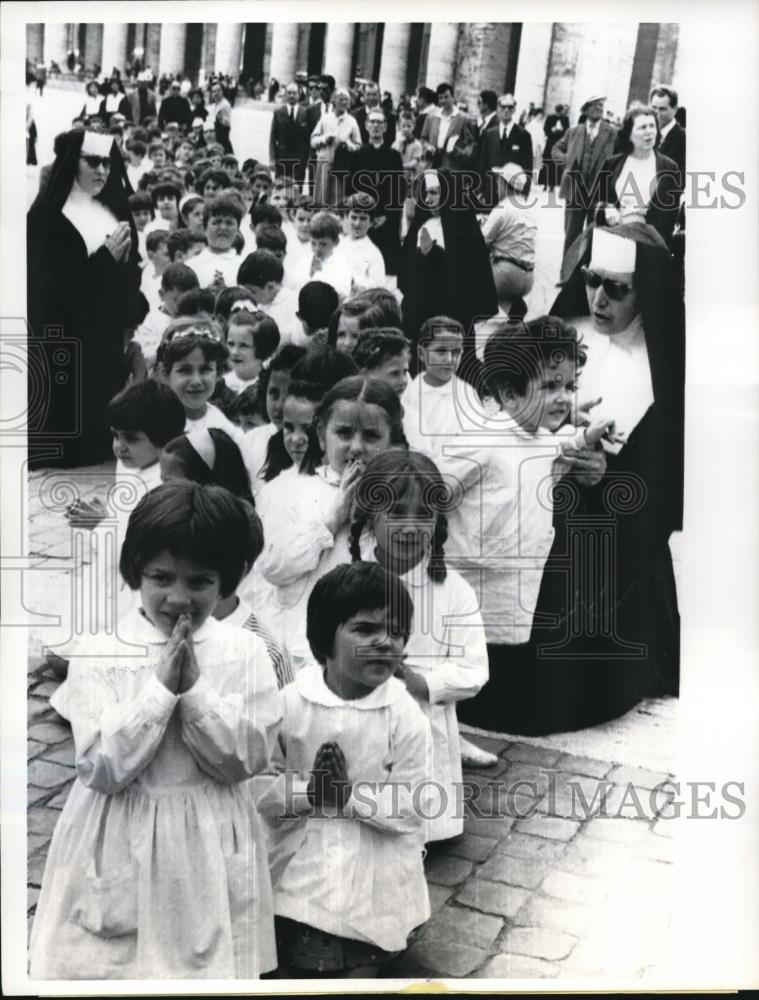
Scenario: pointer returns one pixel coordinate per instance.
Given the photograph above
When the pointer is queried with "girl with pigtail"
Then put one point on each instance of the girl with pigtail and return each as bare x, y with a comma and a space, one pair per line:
400, 521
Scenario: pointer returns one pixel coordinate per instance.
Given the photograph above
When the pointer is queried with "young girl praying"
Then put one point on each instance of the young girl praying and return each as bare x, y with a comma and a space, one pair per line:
400, 520
307, 534
157, 868
346, 831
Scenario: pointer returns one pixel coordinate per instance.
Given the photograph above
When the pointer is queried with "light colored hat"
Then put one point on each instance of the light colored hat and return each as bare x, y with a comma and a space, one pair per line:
612, 253
592, 100
197, 122
513, 174
97, 144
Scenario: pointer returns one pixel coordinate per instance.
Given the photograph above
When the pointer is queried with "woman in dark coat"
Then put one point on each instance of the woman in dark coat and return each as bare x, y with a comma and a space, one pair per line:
83, 292
445, 266
115, 102
606, 630
639, 182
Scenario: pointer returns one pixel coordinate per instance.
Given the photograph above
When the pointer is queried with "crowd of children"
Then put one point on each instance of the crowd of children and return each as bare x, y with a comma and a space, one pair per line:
317, 572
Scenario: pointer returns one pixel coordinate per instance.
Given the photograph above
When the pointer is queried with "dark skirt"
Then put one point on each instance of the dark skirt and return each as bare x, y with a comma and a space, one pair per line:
315, 952
588, 661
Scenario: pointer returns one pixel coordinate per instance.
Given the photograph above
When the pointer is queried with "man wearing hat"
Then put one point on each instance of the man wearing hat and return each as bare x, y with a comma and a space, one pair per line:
582, 150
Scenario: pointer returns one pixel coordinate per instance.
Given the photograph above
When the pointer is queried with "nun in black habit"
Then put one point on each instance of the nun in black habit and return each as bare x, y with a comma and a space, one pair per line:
606, 627
83, 292
445, 268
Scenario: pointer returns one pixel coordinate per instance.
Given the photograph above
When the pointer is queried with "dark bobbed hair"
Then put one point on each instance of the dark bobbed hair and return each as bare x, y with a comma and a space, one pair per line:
228, 468
270, 237
190, 203
211, 174
325, 365
196, 302
192, 522
223, 204
317, 302
264, 212
166, 188
391, 476
277, 458
517, 354
259, 268
376, 346
346, 591
180, 241
148, 406
173, 348
636, 110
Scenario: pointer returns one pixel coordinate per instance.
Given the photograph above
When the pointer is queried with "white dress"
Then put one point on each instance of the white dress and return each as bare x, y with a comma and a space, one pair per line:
157, 868
438, 415
447, 647
299, 548
358, 876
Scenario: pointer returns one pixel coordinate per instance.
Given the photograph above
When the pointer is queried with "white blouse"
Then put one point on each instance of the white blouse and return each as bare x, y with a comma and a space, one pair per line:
635, 187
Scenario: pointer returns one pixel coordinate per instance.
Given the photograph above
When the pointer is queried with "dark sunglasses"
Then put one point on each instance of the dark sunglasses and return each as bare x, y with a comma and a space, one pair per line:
97, 161
512, 106
616, 290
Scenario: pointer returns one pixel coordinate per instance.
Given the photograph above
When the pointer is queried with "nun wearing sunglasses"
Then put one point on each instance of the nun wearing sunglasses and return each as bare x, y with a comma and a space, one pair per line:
83, 282
606, 631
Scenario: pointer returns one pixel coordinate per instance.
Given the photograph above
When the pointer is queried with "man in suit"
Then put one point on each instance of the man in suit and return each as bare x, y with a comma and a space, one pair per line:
372, 101
582, 150
506, 143
671, 135
289, 145
486, 103
142, 101
174, 108
425, 105
378, 170
448, 135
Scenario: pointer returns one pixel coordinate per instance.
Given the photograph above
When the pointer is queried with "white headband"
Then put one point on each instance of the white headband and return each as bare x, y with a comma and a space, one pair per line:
97, 144
612, 253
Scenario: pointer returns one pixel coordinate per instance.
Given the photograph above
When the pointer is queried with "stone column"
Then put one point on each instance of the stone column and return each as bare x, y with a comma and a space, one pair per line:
93, 46
171, 56
338, 52
441, 56
392, 76
55, 44
665, 61
603, 66
532, 68
481, 60
284, 53
152, 46
114, 47
35, 43
304, 36
228, 48
560, 78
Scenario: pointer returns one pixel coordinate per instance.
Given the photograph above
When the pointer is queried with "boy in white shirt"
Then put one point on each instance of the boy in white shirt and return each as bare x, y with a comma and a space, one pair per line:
362, 258
175, 281
324, 264
262, 273
219, 262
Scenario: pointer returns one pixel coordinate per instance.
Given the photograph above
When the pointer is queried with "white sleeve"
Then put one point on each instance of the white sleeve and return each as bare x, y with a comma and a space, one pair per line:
297, 538
231, 734
394, 806
465, 669
114, 740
